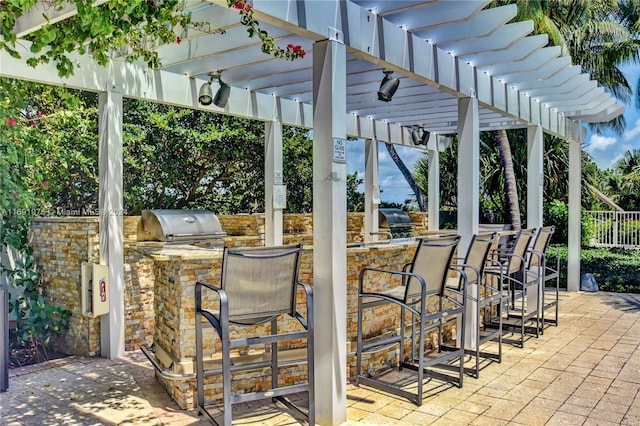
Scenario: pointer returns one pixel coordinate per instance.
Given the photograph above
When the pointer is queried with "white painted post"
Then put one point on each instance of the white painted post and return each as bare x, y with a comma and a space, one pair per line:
575, 231
272, 176
111, 207
371, 191
535, 176
329, 231
468, 195
433, 197
468, 169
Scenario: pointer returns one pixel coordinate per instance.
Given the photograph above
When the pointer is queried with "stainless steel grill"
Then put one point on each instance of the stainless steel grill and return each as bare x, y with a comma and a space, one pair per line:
180, 226
396, 221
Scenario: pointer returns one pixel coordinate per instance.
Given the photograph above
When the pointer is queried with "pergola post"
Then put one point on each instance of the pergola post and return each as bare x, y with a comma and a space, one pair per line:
330, 230
535, 176
371, 190
111, 210
575, 227
433, 197
468, 169
274, 189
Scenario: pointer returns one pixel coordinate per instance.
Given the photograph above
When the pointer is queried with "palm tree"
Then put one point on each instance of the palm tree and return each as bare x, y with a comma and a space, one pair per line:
598, 35
511, 189
407, 175
624, 181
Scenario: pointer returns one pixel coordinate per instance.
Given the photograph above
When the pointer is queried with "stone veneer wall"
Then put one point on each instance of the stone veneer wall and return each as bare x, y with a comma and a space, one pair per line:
60, 245
302, 224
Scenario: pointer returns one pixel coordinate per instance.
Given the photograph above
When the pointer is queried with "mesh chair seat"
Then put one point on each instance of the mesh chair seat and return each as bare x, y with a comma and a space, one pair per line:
257, 285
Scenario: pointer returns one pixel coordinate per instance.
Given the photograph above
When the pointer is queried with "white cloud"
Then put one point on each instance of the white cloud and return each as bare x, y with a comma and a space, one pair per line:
614, 160
632, 133
599, 143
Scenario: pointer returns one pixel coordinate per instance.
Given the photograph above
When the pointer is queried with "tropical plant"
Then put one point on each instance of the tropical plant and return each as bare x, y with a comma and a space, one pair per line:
49, 140
298, 169
597, 36
39, 324
623, 181
448, 160
355, 198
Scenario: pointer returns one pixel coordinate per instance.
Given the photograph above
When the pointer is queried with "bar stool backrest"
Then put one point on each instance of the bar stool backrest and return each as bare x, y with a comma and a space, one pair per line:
431, 261
260, 282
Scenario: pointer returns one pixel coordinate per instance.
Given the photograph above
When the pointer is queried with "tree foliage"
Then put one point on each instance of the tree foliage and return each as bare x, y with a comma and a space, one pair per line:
47, 136
623, 181
173, 157
492, 190
177, 158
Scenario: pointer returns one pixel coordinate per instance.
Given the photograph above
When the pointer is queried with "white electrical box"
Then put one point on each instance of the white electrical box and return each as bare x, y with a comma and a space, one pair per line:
94, 289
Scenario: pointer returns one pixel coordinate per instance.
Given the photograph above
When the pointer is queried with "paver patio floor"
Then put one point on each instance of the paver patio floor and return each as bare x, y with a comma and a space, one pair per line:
585, 371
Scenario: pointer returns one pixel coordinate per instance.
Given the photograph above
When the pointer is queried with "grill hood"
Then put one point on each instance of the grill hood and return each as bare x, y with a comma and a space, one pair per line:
179, 226
392, 218
396, 221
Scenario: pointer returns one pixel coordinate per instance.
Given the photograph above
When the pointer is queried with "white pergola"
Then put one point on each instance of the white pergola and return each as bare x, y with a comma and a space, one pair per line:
462, 68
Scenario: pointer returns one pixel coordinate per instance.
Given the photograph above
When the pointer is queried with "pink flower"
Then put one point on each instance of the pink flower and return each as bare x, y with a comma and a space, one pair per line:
241, 5
296, 50
10, 121
45, 184
34, 125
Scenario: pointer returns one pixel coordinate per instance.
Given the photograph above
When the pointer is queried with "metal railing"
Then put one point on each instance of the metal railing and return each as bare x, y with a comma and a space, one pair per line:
615, 229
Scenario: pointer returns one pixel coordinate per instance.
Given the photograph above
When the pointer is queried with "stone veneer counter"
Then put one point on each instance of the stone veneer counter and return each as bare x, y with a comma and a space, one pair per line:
176, 269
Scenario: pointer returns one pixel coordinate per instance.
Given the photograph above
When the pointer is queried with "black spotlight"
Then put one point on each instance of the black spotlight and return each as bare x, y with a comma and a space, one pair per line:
222, 95
388, 86
420, 136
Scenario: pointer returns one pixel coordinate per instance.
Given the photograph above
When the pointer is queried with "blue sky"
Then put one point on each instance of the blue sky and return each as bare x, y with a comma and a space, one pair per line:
605, 149
608, 148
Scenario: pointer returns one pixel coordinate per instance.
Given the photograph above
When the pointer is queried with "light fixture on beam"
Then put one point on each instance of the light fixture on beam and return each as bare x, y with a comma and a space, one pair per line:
388, 86
420, 136
206, 97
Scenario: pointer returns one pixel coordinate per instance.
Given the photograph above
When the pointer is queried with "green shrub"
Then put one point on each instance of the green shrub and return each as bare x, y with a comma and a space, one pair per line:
615, 269
628, 232
557, 213
39, 324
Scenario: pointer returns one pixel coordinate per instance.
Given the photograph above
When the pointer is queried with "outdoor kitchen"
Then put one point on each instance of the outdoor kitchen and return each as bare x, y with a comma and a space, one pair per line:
167, 251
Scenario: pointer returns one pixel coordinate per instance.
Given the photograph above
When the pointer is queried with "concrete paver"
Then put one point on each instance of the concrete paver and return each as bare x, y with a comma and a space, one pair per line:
585, 371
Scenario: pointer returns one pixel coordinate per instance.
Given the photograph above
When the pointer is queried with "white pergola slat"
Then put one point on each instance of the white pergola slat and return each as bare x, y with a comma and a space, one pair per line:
531, 62
501, 38
415, 38
519, 50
